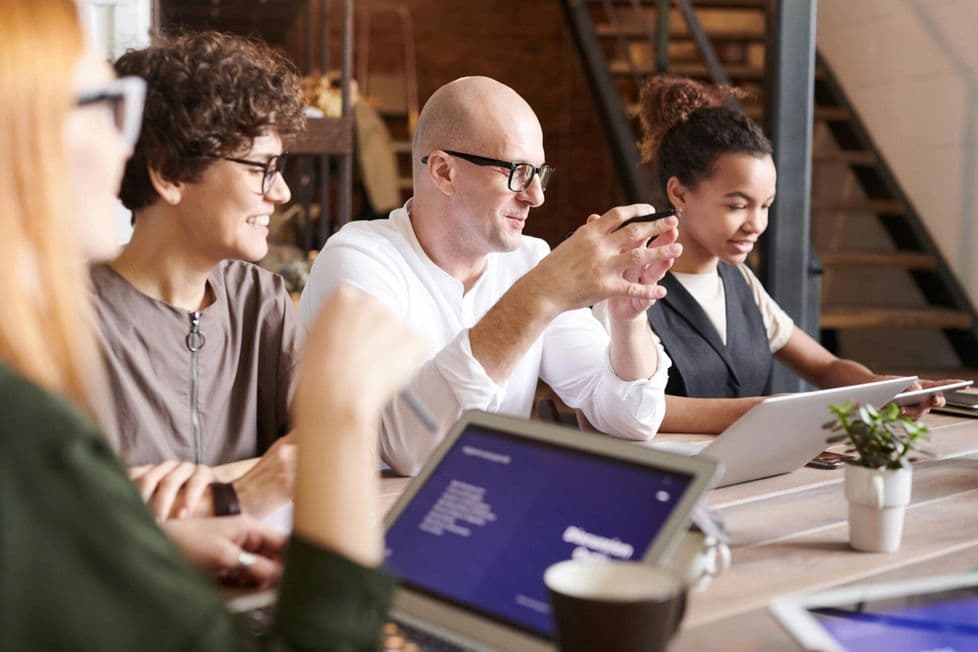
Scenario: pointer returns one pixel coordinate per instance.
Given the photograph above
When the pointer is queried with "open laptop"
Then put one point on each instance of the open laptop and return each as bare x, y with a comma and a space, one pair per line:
783, 433
504, 498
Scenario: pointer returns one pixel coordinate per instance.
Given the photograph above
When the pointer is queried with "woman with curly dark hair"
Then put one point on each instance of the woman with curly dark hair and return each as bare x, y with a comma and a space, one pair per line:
201, 345
719, 326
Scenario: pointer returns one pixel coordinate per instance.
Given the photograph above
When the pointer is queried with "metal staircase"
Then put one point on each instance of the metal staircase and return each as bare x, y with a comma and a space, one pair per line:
721, 41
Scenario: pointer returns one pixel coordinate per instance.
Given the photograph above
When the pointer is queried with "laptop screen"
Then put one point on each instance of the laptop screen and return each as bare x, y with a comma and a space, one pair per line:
499, 509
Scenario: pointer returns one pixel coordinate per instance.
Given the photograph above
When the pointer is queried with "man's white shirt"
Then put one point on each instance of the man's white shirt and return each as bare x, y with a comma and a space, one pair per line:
384, 259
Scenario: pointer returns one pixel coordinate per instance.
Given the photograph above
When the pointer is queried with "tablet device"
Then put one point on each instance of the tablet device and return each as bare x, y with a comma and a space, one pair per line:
918, 395
935, 613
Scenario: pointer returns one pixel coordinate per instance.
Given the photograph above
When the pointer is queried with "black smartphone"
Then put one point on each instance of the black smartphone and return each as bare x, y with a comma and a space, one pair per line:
829, 460
651, 217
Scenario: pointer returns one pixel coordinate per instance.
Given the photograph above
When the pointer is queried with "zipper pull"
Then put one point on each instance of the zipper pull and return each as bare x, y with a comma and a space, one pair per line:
195, 339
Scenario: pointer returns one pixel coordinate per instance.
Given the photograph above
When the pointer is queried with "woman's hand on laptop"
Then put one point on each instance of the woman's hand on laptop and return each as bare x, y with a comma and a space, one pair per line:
235, 549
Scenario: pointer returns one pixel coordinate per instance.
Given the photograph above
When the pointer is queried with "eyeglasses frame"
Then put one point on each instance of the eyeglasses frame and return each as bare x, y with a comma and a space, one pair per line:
131, 90
486, 161
269, 178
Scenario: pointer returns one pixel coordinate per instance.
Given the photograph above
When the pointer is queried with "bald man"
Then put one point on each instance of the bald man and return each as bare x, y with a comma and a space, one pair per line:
497, 308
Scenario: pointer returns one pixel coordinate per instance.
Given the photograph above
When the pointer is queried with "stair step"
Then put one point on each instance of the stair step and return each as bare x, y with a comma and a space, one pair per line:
637, 30
694, 70
755, 112
897, 259
874, 206
699, 4
855, 316
850, 156
401, 146
393, 112
832, 113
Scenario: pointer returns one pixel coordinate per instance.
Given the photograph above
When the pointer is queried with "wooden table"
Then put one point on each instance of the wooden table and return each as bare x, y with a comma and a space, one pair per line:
789, 534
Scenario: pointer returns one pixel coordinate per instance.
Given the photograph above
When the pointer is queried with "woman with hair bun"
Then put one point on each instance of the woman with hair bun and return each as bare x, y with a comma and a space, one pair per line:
719, 326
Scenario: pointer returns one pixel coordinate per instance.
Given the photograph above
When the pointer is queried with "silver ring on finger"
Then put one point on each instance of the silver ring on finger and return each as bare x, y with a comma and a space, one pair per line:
246, 560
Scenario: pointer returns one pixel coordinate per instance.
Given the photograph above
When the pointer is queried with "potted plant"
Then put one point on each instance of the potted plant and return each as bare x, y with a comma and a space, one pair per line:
878, 480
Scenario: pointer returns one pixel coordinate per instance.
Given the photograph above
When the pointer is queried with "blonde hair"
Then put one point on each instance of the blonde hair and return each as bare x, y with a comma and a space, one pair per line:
46, 332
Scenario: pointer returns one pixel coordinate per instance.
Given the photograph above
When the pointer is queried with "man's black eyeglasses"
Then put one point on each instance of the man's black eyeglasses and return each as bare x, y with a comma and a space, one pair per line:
274, 166
520, 174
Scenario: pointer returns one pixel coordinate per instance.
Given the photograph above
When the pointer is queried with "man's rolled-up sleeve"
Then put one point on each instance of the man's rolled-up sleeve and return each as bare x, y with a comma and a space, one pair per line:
577, 365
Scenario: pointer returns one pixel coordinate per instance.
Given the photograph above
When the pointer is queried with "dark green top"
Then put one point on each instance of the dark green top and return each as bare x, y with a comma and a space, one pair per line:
83, 566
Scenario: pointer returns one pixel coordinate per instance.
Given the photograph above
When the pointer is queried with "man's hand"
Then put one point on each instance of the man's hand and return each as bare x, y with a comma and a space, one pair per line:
623, 309
236, 549
602, 261
174, 489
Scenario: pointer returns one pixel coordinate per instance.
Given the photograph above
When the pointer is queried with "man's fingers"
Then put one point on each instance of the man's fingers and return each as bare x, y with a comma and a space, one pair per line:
614, 218
639, 233
641, 257
667, 237
653, 272
640, 291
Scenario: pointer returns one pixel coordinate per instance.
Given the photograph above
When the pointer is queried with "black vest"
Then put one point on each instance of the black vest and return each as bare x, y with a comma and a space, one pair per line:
701, 365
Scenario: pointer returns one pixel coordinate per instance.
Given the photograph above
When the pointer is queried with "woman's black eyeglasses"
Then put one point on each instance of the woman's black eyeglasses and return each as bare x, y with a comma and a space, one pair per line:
274, 166
520, 174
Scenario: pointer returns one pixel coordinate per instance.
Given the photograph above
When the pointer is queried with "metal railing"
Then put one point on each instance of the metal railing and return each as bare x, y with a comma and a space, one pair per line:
611, 110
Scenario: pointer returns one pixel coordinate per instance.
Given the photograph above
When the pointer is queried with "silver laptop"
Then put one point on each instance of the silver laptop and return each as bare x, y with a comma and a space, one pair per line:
501, 500
783, 433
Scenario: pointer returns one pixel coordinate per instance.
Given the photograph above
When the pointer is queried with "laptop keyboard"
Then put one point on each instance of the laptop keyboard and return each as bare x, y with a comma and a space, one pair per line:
398, 637
405, 638
257, 621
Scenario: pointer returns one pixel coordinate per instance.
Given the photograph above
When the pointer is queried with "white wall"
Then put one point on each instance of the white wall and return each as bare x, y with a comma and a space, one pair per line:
116, 26
910, 67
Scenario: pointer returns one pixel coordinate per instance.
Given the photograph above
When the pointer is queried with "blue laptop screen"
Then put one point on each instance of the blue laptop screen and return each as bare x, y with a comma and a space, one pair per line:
499, 509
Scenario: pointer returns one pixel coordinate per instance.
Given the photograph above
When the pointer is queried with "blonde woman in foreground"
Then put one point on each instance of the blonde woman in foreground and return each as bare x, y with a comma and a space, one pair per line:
84, 565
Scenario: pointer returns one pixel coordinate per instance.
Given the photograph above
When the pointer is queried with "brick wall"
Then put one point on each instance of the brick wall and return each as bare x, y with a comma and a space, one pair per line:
528, 46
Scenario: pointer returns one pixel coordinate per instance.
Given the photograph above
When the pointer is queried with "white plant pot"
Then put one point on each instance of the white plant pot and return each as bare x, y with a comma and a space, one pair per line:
878, 499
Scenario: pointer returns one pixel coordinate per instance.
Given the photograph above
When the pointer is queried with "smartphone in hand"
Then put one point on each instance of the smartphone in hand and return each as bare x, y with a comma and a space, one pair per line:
829, 460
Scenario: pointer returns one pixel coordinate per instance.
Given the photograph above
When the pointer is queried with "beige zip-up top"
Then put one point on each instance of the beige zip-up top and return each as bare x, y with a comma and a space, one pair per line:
208, 387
